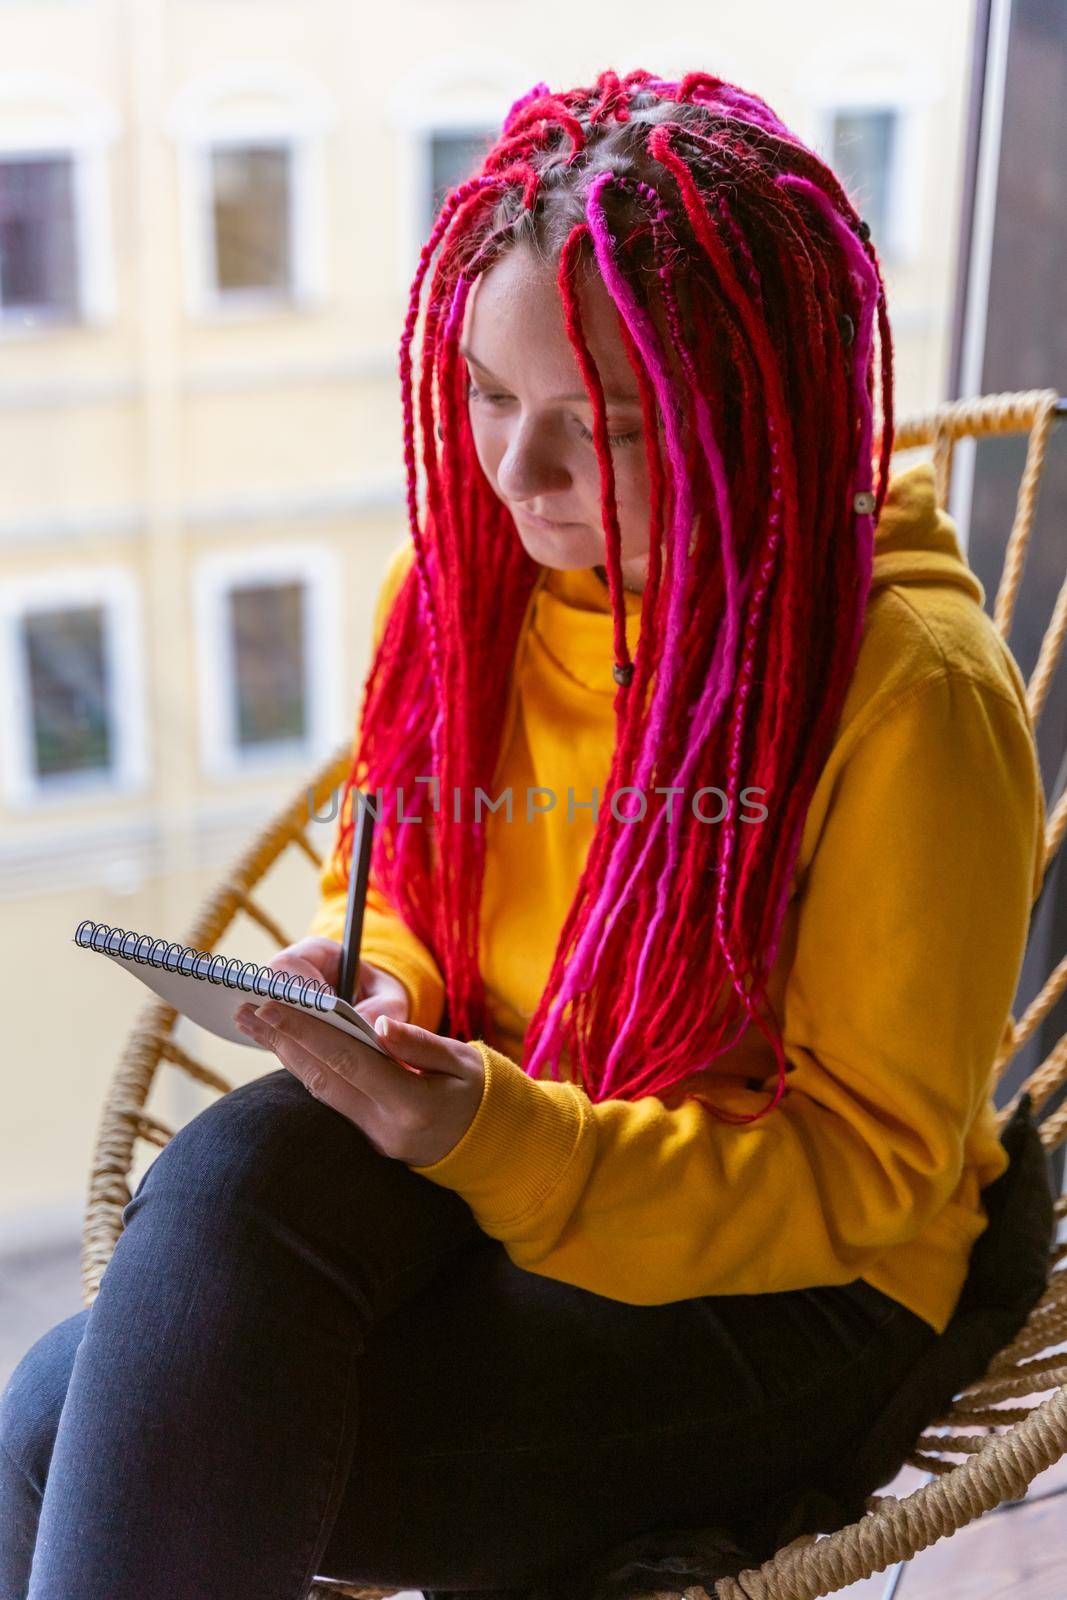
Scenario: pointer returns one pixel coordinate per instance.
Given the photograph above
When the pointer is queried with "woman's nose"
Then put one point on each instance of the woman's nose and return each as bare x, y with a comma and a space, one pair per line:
531, 464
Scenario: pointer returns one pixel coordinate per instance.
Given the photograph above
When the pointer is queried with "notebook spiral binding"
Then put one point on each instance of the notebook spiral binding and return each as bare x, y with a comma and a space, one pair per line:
145, 950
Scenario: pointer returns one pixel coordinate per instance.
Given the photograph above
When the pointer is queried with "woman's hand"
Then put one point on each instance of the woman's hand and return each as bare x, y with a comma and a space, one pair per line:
414, 1116
378, 993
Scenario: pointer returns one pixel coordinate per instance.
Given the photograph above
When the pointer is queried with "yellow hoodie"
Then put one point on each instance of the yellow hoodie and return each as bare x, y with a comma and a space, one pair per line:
903, 941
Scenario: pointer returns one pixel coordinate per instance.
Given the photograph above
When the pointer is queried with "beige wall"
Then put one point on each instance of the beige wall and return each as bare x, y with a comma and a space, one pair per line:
157, 436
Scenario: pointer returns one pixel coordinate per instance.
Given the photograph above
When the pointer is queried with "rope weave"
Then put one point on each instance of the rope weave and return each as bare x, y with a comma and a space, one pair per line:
1042, 1004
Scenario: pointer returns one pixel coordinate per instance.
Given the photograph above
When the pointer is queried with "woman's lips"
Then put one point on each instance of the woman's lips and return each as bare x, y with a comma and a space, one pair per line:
545, 522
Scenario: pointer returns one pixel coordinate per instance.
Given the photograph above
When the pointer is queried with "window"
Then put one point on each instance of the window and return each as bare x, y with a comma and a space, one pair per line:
268, 657
453, 154
56, 263
70, 712
38, 247
250, 148
863, 151
869, 114
268, 632
75, 718
252, 218
447, 110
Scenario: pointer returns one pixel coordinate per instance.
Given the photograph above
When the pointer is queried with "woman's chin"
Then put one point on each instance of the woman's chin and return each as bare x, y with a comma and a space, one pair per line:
564, 548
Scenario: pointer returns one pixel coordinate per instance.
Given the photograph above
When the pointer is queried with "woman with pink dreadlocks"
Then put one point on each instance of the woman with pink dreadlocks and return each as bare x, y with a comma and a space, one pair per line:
708, 825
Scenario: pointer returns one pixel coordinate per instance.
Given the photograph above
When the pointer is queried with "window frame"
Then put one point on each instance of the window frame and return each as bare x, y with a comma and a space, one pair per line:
893, 246
115, 590
423, 152
426, 101
845, 82
71, 122
252, 105
216, 574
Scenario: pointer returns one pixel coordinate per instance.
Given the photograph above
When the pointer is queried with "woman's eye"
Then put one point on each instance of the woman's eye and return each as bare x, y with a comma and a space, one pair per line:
474, 393
613, 438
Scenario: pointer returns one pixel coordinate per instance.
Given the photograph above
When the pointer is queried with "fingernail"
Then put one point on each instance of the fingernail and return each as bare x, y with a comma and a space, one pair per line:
381, 1025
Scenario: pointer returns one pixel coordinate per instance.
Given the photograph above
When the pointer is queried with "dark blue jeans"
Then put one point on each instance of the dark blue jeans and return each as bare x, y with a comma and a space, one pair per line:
305, 1359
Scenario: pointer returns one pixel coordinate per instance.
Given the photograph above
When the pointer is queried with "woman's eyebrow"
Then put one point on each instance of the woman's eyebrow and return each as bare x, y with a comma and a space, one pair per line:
610, 399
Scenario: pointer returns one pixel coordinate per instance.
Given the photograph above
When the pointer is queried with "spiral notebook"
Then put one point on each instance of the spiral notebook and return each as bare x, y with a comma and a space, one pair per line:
209, 989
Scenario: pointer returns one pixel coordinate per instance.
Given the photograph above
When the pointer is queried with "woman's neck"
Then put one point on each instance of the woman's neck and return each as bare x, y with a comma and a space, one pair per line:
602, 574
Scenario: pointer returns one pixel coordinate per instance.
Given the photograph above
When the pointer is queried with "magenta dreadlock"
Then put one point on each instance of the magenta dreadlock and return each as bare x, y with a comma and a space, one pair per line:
747, 289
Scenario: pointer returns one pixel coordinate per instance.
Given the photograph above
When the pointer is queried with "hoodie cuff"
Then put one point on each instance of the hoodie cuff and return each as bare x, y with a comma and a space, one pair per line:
524, 1135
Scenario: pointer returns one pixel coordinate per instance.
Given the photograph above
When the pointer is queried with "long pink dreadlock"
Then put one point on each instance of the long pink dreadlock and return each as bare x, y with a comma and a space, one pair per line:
747, 289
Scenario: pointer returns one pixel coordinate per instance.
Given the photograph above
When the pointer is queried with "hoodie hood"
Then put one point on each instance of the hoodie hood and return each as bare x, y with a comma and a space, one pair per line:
915, 540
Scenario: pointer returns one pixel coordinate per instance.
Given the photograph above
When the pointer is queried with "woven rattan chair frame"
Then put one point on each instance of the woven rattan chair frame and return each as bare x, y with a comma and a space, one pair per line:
981, 1453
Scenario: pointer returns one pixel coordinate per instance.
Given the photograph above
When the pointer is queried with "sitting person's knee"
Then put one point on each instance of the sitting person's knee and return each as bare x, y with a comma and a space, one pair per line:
264, 1140
33, 1399
231, 1143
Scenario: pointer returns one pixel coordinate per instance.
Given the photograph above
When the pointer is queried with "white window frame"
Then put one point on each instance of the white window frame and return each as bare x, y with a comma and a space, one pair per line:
318, 568
253, 104
845, 80
420, 153
894, 243
73, 121
115, 590
437, 97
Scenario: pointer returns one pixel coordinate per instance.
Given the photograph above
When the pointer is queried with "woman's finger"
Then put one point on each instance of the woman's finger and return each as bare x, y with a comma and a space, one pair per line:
380, 994
409, 1112
380, 1077
297, 966
423, 1049
376, 1006
319, 955
318, 1076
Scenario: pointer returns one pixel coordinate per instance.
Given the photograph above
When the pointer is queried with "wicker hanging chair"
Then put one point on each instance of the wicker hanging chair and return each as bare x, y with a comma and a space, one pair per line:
980, 1453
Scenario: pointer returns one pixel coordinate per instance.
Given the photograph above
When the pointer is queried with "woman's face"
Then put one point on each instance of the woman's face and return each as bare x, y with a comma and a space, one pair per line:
532, 420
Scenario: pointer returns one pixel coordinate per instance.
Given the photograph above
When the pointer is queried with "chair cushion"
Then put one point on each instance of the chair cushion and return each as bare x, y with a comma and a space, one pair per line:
1007, 1274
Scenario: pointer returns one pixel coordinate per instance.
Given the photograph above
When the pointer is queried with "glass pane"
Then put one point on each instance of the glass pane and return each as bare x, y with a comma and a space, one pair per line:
861, 158
268, 652
1023, 334
38, 262
66, 662
251, 194
454, 156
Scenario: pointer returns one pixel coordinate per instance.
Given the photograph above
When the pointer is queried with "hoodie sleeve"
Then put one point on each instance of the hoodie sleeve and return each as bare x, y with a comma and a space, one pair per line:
387, 941
911, 929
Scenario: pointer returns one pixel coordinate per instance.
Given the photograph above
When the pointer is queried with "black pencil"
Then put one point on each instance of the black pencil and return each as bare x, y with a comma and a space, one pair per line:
357, 894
